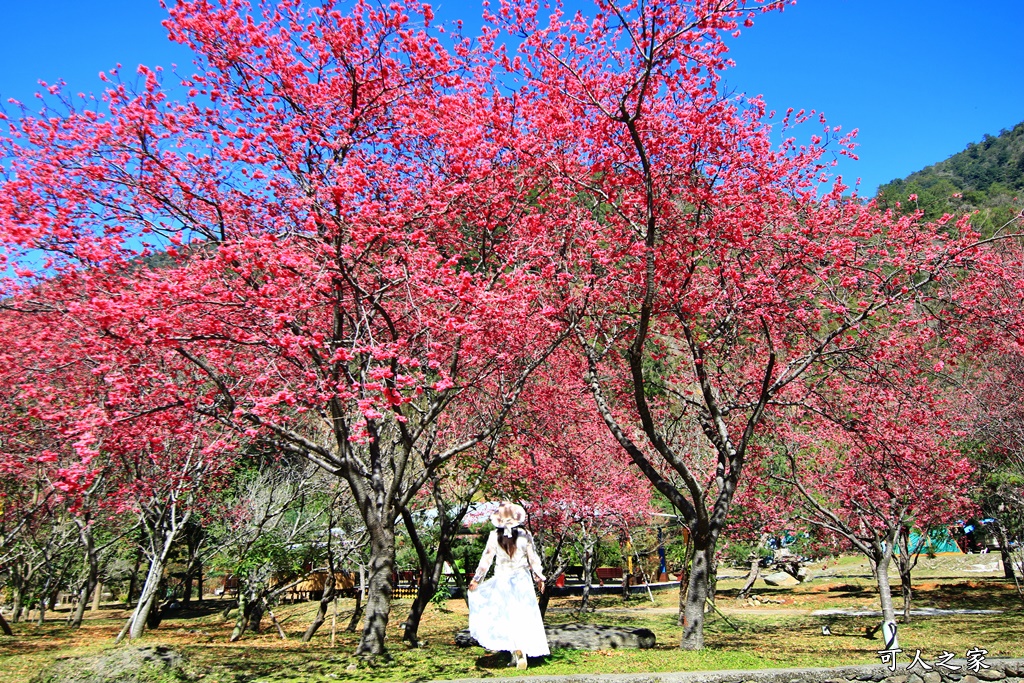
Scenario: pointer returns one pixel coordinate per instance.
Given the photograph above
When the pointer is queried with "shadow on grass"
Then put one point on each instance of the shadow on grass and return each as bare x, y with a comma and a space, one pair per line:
849, 588
493, 660
986, 594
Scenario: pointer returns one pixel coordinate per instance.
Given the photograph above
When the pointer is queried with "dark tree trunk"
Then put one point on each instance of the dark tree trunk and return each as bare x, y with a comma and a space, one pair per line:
5, 627
430, 579
905, 563
698, 583
430, 571
84, 594
92, 564
1004, 551
91, 582
256, 615
545, 598
588, 572
194, 536
16, 600
330, 590
186, 591
460, 579
381, 589
684, 579
357, 613
133, 583
325, 603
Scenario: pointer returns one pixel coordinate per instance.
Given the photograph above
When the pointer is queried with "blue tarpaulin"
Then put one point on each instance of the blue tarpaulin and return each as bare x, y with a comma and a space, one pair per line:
937, 541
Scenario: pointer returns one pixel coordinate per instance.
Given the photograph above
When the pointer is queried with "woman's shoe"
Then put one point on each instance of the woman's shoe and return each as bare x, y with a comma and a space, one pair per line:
520, 659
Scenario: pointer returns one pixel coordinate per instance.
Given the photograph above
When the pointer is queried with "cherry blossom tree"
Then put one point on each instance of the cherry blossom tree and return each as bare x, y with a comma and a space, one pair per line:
358, 261
717, 274
890, 466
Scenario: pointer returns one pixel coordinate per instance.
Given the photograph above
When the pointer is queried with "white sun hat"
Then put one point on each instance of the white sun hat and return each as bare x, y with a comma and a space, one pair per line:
508, 516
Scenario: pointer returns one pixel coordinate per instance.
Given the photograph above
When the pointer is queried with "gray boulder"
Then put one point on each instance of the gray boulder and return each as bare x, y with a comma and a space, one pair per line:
780, 579
584, 637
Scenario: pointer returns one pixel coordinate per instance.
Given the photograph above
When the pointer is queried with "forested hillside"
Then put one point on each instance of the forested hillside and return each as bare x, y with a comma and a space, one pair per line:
987, 177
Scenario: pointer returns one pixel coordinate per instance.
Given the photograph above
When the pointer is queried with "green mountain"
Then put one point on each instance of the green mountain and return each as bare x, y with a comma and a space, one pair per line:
987, 177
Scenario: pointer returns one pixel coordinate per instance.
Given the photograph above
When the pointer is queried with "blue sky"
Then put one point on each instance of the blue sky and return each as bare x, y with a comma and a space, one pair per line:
918, 79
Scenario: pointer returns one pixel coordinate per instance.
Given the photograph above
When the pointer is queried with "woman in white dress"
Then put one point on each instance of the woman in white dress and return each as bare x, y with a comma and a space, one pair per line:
503, 611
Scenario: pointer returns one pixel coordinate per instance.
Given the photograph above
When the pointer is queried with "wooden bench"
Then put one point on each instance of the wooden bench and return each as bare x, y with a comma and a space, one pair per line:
609, 574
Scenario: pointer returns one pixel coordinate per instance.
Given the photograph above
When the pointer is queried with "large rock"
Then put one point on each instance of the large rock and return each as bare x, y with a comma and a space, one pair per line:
120, 665
597, 637
780, 579
584, 637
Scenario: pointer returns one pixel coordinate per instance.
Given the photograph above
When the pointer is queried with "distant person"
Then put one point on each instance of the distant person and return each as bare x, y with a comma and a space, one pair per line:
503, 611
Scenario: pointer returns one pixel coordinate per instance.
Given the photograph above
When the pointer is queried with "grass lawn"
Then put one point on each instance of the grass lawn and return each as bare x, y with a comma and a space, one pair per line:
778, 632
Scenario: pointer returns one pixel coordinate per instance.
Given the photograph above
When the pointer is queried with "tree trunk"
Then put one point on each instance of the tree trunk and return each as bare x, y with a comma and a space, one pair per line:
905, 563
884, 589
97, 594
430, 575
17, 591
88, 587
696, 595
5, 627
137, 622
276, 623
133, 583
381, 589
545, 598
755, 571
357, 613
907, 591
882, 559
325, 604
713, 579
430, 579
194, 537
15, 602
186, 592
242, 620
684, 578
256, 615
588, 572
1004, 551
90, 584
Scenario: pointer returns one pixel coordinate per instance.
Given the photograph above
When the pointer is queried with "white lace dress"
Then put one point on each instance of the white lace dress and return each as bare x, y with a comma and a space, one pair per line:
503, 611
